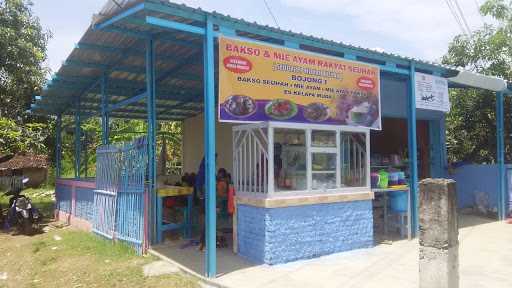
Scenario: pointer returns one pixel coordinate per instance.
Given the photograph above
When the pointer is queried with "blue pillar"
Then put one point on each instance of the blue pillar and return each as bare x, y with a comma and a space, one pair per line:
151, 103
209, 136
58, 146
435, 148
500, 155
437, 143
444, 150
104, 111
78, 134
86, 156
413, 152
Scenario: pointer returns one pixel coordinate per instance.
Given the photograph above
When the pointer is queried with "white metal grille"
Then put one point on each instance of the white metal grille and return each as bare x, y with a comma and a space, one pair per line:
250, 160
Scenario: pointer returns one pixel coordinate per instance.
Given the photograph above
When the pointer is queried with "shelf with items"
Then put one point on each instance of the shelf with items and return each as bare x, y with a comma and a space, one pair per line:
324, 172
389, 166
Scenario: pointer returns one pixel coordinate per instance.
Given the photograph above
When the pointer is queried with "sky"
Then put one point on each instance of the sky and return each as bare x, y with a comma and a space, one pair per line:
415, 28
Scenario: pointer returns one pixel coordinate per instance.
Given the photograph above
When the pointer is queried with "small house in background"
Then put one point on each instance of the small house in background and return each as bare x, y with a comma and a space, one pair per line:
32, 166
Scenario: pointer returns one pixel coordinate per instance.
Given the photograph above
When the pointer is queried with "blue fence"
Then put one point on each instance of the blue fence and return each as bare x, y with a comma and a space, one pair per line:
120, 198
107, 181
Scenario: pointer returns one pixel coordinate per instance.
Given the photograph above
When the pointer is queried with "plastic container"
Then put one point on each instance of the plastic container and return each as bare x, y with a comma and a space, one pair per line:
401, 178
398, 201
393, 178
383, 179
375, 179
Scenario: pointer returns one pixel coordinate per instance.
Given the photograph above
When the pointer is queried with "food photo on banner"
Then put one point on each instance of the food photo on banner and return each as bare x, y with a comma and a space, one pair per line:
260, 82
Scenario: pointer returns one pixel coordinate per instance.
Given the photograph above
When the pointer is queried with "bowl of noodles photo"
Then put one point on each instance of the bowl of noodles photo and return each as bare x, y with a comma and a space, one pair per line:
281, 109
316, 112
240, 105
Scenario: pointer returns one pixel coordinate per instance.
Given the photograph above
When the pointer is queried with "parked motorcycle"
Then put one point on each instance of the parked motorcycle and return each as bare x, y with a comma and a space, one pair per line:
22, 214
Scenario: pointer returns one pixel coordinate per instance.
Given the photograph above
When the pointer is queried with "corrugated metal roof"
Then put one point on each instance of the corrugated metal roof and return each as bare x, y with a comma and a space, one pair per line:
25, 160
179, 71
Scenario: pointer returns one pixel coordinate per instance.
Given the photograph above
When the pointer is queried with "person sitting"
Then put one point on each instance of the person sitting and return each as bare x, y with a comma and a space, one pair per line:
222, 187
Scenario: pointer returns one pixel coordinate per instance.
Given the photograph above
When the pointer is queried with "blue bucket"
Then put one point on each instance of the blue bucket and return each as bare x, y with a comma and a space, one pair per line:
398, 201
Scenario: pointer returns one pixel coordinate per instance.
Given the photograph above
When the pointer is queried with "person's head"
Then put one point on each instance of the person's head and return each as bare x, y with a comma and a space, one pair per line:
222, 173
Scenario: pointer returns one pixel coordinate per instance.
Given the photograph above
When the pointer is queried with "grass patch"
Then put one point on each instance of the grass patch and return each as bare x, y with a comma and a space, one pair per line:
80, 259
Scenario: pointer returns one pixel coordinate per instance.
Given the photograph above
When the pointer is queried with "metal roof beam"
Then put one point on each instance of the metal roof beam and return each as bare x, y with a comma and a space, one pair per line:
89, 109
88, 106
125, 115
127, 32
132, 51
77, 81
165, 37
103, 67
144, 116
143, 35
127, 102
221, 20
116, 18
109, 49
171, 93
140, 107
176, 10
173, 25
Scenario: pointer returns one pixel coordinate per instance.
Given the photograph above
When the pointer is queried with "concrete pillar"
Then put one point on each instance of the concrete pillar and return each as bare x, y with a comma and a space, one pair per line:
438, 234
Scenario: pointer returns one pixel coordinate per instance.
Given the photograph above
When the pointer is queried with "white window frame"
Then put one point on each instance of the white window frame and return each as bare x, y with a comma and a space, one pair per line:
308, 128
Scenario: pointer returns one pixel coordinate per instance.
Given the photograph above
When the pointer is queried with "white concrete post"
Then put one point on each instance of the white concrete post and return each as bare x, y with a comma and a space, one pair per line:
438, 235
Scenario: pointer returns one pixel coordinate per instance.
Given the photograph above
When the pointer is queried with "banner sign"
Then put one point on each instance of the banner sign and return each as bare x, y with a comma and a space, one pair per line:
432, 92
260, 82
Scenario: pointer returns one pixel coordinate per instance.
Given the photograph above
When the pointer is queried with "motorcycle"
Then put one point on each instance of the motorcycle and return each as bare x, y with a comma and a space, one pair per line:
22, 213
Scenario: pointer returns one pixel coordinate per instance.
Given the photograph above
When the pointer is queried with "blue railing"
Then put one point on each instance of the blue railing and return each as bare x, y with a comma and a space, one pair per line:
120, 198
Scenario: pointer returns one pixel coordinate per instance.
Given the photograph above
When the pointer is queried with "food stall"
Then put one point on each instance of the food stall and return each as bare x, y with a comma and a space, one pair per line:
302, 123
301, 160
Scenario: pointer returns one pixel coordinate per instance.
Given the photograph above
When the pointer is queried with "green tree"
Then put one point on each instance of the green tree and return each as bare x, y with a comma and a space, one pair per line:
22, 55
30, 137
471, 123
22, 73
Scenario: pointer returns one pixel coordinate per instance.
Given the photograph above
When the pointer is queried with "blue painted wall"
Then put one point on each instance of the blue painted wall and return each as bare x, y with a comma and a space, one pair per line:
84, 203
475, 178
280, 235
393, 100
63, 198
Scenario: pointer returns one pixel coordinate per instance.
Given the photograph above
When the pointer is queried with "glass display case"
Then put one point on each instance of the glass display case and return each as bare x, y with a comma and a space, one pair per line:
305, 159
290, 170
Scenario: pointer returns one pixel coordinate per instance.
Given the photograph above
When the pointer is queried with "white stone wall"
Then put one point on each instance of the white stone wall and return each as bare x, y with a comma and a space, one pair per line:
193, 144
